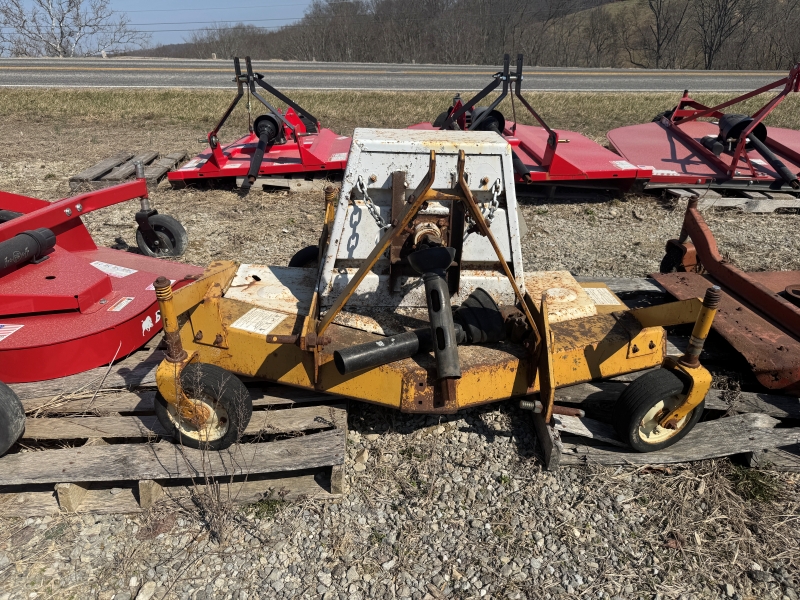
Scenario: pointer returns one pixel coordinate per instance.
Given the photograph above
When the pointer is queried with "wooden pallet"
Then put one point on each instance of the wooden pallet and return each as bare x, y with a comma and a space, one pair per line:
93, 444
747, 201
121, 167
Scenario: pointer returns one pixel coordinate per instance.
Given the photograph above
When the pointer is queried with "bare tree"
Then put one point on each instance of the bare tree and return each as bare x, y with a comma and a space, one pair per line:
65, 28
649, 38
715, 22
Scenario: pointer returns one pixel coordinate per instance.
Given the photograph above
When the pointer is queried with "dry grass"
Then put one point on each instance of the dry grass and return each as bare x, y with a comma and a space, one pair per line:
590, 113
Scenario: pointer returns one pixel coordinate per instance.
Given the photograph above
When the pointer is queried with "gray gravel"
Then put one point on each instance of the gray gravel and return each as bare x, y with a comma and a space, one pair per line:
443, 508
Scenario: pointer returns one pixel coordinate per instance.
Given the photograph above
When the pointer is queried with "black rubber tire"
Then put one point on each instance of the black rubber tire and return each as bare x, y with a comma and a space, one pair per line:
225, 389
637, 400
170, 232
671, 261
307, 258
12, 418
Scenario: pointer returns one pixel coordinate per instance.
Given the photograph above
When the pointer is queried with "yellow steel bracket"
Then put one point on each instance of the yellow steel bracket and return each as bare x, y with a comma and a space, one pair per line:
168, 373
417, 199
207, 323
671, 313
689, 363
547, 384
219, 272
700, 380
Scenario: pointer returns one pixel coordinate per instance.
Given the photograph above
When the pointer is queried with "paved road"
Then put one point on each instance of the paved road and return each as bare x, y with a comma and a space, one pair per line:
160, 73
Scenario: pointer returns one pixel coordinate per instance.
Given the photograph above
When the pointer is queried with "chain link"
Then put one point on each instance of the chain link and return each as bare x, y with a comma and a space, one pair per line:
488, 209
373, 210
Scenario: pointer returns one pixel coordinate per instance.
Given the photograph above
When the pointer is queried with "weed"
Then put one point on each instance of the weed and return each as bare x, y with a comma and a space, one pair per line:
505, 480
376, 537
50, 176
542, 211
268, 508
752, 484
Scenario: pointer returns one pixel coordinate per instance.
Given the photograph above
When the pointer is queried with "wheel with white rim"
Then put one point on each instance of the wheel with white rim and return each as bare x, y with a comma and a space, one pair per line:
221, 405
643, 404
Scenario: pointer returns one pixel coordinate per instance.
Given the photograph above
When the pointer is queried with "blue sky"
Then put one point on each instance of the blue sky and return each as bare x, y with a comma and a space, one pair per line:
170, 21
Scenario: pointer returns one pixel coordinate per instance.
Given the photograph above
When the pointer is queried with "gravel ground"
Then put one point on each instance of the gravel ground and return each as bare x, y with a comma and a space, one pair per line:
437, 507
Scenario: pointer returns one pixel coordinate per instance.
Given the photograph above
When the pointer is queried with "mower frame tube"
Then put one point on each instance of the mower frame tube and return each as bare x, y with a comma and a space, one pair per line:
740, 283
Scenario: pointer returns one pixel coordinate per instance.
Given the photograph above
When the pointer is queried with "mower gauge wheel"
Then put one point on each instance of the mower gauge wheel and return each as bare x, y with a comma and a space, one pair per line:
644, 403
217, 393
171, 235
12, 418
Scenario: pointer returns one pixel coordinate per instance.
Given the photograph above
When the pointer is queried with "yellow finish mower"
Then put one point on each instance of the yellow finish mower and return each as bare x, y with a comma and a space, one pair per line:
418, 300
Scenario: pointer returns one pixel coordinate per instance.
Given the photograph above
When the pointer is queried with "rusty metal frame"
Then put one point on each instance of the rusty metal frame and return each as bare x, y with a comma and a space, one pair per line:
763, 299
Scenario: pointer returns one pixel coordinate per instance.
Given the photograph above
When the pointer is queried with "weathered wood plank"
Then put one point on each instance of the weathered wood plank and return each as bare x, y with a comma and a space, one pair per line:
141, 402
150, 492
777, 459
153, 173
606, 392
588, 428
169, 461
549, 441
680, 193
136, 370
71, 495
99, 169
127, 169
705, 193
712, 439
265, 421
102, 404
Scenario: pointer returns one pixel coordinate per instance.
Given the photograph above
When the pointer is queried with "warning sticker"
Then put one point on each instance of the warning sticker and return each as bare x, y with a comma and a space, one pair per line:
623, 164
758, 161
663, 172
113, 270
339, 156
193, 164
152, 287
120, 304
7, 330
258, 320
602, 296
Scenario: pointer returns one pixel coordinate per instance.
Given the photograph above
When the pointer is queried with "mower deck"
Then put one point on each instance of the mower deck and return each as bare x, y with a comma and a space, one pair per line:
316, 154
674, 164
578, 161
78, 306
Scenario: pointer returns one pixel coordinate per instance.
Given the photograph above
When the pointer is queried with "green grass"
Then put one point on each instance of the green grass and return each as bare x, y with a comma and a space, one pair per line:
752, 484
590, 113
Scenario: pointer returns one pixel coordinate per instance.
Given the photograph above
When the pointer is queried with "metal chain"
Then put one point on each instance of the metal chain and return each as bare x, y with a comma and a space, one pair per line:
373, 210
488, 209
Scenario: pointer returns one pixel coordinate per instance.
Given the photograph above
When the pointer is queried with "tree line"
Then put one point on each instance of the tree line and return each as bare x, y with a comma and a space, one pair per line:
672, 34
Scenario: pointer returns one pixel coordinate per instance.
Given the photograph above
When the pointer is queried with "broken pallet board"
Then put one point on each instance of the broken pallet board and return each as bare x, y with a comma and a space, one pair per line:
98, 170
712, 439
120, 167
293, 447
157, 171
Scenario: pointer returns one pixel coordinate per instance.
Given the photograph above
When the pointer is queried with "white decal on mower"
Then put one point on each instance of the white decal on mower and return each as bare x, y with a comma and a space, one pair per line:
147, 324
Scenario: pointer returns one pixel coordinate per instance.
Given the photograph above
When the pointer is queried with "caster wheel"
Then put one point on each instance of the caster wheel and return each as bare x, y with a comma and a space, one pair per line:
639, 408
672, 260
307, 258
172, 238
12, 418
218, 393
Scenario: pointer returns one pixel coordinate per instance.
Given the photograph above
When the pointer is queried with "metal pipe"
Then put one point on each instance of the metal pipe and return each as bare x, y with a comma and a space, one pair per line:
25, 247
537, 407
775, 162
169, 319
702, 327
